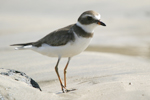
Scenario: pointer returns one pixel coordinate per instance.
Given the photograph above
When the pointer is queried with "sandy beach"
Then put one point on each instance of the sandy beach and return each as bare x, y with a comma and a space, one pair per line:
109, 76
116, 65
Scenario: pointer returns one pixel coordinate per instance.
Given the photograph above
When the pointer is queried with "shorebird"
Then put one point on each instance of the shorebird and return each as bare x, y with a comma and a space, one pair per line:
66, 42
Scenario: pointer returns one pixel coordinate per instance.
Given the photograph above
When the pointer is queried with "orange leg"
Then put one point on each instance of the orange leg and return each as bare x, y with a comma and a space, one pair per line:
65, 71
56, 69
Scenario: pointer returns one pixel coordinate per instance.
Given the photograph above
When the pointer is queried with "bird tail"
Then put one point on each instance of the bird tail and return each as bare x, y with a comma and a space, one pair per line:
23, 46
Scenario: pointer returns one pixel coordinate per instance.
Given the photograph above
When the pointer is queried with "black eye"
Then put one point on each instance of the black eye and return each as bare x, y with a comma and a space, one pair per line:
89, 18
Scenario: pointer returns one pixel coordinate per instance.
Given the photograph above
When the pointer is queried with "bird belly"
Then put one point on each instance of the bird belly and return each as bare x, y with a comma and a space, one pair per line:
72, 48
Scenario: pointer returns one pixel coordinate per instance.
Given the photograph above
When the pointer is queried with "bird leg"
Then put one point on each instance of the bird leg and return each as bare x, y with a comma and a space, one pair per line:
65, 71
63, 87
56, 69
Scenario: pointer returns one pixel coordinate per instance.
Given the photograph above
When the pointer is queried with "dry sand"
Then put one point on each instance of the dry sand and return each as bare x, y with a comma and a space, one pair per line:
95, 75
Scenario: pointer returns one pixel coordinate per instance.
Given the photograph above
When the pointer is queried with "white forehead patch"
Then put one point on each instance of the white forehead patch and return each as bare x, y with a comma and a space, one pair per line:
98, 16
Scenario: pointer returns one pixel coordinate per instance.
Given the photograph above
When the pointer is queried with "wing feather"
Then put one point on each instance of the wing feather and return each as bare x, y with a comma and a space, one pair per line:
57, 38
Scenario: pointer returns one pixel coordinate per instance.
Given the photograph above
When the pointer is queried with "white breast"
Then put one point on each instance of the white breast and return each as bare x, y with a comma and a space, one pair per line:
72, 48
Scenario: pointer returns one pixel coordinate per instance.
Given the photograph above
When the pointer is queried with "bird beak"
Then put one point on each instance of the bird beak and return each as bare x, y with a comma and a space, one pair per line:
101, 23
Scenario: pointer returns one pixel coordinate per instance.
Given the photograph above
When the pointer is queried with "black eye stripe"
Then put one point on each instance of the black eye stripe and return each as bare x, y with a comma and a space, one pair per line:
89, 17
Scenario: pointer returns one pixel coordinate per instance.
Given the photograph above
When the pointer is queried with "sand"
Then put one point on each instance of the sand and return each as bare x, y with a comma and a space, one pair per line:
93, 75
116, 65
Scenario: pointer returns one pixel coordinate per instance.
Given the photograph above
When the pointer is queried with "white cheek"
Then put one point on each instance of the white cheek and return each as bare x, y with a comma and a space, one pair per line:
88, 28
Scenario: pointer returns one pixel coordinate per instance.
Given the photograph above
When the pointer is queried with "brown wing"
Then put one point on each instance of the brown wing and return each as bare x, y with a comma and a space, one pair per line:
57, 38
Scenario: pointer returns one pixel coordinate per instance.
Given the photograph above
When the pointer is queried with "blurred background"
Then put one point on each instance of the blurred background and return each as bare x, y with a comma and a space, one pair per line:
127, 31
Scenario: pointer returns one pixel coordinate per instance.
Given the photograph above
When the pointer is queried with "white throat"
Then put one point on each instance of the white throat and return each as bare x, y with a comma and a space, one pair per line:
87, 28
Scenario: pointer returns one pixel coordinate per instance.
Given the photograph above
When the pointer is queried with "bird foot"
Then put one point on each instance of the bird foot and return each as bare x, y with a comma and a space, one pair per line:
65, 90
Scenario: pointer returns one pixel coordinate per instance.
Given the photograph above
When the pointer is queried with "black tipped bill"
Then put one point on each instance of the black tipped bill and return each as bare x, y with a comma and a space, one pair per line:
101, 23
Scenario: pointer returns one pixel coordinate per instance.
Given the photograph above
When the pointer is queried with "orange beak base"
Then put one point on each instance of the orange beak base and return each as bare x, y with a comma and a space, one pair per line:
101, 23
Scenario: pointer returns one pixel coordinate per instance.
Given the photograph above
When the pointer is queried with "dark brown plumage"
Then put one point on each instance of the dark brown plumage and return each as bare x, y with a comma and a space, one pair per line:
59, 37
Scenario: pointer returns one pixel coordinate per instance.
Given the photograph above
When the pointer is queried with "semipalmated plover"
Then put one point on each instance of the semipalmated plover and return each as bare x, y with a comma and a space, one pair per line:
66, 42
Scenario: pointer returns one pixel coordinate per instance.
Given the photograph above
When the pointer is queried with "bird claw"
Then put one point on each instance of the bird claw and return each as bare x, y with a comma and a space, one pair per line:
67, 90
64, 90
